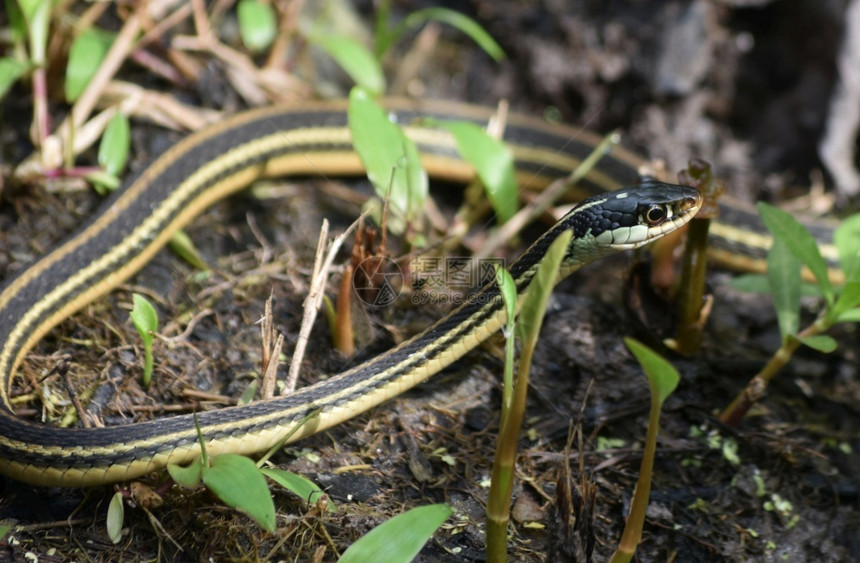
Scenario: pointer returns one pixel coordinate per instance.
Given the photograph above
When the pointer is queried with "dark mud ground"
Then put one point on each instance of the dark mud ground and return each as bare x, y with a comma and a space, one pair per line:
749, 92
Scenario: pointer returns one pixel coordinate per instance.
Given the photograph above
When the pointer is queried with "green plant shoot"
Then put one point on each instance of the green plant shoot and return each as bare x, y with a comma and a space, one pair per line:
145, 320
663, 378
793, 245
527, 328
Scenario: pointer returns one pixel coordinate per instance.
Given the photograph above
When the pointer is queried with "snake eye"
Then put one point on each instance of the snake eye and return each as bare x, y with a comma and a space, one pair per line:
655, 214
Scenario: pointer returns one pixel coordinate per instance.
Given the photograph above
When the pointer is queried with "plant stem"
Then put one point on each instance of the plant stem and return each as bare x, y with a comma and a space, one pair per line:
502, 483
632, 534
755, 389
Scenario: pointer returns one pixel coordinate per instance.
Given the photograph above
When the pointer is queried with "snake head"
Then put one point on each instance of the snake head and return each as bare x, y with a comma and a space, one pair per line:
634, 216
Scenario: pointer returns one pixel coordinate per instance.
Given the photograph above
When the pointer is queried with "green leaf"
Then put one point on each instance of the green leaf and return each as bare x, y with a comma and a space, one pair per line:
540, 288
306, 489
86, 55
400, 539
354, 58
257, 24
115, 518
113, 149
849, 316
783, 275
662, 376
799, 242
6, 526
144, 317
846, 237
492, 160
37, 14
249, 393
102, 181
237, 481
10, 71
463, 23
848, 299
189, 476
821, 343
184, 247
145, 320
391, 159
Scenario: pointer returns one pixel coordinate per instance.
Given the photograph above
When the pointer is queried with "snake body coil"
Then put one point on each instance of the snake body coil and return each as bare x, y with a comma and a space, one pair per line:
207, 166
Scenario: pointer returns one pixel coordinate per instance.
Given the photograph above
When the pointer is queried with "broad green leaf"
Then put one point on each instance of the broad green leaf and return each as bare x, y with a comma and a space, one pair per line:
391, 159
306, 489
662, 376
115, 518
821, 343
540, 288
10, 71
144, 317
799, 242
463, 23
86, 55
783, 275
846, 237
492, 160
400, 539
848, 299
188, 476
113, 149
257, 24
354, 58
849, 316
237, 481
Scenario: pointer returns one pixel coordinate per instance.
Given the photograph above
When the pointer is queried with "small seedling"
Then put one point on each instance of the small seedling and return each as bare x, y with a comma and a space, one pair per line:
663, 378
145, 320
794, 247
241, 483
